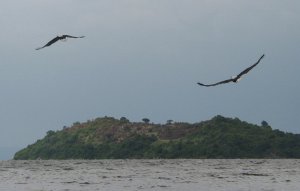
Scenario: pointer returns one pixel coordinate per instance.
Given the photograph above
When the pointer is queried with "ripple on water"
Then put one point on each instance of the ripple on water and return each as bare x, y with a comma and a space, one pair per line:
128, 175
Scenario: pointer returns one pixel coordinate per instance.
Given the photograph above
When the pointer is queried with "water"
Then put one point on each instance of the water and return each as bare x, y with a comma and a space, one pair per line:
165, 175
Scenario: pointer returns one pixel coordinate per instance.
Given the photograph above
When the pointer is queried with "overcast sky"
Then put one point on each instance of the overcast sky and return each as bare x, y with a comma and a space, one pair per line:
143, 58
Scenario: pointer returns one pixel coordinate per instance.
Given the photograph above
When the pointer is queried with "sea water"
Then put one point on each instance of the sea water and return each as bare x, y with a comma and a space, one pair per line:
165, 175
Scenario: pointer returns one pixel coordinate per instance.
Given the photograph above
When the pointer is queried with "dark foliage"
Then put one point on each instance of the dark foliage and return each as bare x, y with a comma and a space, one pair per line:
109, 138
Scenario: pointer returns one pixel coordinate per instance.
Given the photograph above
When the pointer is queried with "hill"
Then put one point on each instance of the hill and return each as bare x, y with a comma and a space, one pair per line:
110, 138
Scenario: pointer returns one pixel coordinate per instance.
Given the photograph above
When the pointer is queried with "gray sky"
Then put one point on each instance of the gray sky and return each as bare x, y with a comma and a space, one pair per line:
143, 58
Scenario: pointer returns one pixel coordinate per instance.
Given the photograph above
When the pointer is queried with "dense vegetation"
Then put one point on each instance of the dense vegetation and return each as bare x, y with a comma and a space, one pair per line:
109, 138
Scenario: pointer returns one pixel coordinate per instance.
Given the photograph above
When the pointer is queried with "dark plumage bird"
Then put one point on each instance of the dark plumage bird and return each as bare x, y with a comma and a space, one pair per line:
63, 37
233, 79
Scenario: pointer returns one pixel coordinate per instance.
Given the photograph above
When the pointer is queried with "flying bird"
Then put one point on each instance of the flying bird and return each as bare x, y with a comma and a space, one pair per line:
63, 37
234, 79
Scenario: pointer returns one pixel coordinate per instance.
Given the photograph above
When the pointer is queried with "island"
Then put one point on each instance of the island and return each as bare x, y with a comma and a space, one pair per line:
110, 138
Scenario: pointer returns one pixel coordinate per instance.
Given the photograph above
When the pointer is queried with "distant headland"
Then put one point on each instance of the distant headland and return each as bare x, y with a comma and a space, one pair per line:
110, 138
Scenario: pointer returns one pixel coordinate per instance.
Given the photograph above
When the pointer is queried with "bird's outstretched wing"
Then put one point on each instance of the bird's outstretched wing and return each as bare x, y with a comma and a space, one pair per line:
69, 36
215, 84
233, 79
249, 68
49, 43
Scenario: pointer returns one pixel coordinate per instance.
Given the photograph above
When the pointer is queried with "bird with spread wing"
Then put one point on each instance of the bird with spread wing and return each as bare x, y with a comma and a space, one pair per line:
63, 37
234, 79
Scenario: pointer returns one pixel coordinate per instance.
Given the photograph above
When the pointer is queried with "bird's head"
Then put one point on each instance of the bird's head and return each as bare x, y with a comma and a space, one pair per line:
235, 79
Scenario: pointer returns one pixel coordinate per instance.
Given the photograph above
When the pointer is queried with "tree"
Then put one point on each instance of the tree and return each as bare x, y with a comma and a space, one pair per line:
146, 120
50, 133
76, 123
124, 120
265, 124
